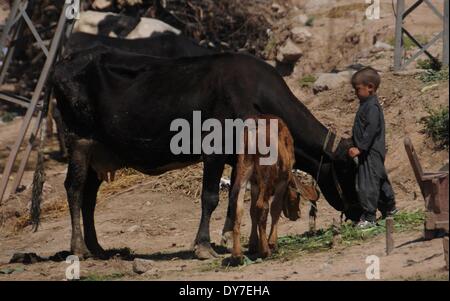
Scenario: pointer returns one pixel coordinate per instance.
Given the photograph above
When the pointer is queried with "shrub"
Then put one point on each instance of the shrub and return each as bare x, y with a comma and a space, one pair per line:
434, 75
307, 80
436, 126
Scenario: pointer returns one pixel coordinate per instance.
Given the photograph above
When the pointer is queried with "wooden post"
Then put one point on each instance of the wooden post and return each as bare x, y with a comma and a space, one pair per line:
445, 240
446, 33
389, 235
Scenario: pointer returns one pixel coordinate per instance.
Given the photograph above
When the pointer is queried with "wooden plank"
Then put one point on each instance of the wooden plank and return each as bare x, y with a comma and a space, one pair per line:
389, 235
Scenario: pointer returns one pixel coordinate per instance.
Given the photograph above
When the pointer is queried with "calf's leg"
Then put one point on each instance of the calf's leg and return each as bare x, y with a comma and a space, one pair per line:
237, 194
276, 207
262, 210
212, 171
74, 184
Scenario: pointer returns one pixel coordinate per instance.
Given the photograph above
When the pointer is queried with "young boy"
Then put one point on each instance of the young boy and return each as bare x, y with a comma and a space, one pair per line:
372, 184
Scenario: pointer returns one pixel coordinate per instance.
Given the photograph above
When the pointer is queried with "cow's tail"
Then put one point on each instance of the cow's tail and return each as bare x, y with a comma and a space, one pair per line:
39, 173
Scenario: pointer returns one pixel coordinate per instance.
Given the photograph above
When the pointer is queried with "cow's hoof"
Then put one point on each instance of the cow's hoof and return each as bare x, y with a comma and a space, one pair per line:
99, 253
82, 253
253, 248
204, 252
227, 240
235, 261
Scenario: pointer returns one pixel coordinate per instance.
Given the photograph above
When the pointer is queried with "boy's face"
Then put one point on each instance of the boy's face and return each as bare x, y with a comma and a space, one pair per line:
363, 91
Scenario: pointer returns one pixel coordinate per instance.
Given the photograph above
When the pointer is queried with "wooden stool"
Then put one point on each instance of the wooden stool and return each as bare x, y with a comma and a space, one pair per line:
434, 188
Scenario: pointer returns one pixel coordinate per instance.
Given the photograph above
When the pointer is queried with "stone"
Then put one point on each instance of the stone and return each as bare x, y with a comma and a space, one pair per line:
429, 87
383, 46
289, 52
300, 19
141, 266
133, 228
317, 5
329, 81
300, 34
409, 72
101, 4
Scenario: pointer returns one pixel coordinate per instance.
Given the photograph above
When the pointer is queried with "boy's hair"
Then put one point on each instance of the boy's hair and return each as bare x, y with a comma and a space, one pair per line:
366, 76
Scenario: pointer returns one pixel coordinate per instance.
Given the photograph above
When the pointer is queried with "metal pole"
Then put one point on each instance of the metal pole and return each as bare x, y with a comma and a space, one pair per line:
34, 101
4, 39
445, 37
398, 51
9, 24
27, 153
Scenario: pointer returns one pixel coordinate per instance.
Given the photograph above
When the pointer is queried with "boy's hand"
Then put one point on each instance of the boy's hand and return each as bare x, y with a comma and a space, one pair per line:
354, 152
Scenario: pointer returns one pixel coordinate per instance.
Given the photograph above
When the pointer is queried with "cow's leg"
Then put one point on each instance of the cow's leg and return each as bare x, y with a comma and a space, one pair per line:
60, 131
212, 171
88, 208
253, 241
74, 184
227, 232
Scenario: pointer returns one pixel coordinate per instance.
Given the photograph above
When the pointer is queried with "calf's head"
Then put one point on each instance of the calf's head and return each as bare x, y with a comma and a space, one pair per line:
291, 204
296, 190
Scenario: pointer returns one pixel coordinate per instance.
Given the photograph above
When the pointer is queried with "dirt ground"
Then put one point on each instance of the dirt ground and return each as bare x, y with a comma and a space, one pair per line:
157, 217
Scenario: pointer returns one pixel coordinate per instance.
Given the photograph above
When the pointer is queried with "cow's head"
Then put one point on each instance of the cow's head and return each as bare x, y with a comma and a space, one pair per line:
337, 181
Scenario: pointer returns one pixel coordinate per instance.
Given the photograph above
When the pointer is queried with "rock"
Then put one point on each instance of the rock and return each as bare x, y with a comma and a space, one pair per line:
300, 34
141, 266
123, 3
272, 63
289, 53
133, 228
276, 7
353, 37
329, 81
383, 46
317, 5
409, 72
429, 87
300, 19
101, 4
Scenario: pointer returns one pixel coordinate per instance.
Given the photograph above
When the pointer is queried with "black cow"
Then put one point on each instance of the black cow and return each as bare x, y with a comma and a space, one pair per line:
118, 108
167, 45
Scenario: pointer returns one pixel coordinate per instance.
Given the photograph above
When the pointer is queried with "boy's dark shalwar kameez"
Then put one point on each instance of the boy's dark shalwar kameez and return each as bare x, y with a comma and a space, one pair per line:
372, 184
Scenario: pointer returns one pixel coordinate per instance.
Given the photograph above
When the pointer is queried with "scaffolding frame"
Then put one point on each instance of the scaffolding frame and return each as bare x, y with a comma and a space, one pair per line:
13, 31
399, 61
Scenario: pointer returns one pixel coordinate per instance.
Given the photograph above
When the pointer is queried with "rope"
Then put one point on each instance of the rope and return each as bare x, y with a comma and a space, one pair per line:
325, 143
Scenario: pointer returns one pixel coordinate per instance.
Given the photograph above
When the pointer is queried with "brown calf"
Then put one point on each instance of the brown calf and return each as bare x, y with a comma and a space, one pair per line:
270, 187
